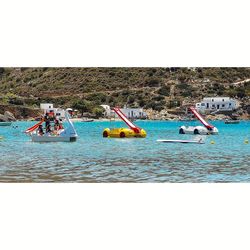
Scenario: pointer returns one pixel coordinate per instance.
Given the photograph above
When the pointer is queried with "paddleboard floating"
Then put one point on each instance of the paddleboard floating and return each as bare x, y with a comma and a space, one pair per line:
182, 141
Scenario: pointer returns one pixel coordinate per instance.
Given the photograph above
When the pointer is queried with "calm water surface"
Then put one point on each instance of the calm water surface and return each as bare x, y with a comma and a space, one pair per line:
96, 159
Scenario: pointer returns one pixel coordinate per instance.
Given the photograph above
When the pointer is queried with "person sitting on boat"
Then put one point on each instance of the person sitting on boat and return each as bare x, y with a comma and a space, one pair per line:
60, 124
56, 127
56, 122
40, 130
48, 129
55, 132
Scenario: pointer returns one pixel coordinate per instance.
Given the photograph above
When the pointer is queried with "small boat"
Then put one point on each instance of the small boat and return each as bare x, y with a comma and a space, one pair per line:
5, 123
87, 120
206, 129
132, 132
198, 130
232, 121
67, 134
124, 133
183, 141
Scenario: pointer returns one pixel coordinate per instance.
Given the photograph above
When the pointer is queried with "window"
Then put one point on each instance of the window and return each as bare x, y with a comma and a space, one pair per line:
213, 106
212, 100
203, 104
230, 104
223, 105
223, 100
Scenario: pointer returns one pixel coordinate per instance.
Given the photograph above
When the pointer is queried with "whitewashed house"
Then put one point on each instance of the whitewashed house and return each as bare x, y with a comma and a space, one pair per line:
136, 113
107, 110
45, 106
216, 104
49, 108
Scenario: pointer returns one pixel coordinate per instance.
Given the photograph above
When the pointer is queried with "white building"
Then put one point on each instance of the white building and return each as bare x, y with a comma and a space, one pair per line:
217, 104
49, 108
45, 106
107, 111
137, 113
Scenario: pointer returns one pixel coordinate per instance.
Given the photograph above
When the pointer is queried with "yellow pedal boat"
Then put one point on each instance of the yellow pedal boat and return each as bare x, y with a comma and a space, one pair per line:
124, 133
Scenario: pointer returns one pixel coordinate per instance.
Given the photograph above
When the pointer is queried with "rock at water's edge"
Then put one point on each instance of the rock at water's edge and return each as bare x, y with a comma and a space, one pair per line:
7, 117
3, 118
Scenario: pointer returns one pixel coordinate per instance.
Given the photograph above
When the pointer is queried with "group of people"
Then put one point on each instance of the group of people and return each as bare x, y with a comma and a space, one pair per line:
48, 119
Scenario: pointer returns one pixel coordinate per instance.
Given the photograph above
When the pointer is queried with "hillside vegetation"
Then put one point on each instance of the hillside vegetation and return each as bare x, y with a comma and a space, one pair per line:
151, 88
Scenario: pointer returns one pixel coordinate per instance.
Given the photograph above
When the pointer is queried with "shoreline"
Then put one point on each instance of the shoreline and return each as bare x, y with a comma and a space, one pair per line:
119, 120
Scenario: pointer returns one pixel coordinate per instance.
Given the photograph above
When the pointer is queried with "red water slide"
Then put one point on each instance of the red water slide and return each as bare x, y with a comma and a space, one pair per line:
201, 119
126, 120
29, 130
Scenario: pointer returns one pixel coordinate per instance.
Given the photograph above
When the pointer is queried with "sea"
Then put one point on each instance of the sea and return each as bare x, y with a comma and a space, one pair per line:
223, 158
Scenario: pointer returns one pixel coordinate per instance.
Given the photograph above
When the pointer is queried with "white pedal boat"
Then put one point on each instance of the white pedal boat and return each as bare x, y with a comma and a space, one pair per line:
206, 129
68, 134
198, 130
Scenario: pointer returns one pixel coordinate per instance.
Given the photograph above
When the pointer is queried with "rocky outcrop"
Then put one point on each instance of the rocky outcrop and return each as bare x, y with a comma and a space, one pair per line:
162, 115
19, 112
2, 118
7, 117
219, 117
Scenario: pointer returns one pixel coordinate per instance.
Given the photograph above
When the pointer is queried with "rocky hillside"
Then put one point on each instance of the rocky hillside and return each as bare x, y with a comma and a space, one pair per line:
156, 89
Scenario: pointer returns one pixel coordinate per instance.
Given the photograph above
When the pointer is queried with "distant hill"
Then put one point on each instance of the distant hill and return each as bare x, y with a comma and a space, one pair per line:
151, 88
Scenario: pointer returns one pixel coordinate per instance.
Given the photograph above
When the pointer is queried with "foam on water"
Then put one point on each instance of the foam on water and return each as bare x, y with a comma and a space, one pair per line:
96, 159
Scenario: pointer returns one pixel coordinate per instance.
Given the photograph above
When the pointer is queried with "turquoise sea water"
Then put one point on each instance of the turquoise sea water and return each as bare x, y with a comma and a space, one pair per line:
96, 159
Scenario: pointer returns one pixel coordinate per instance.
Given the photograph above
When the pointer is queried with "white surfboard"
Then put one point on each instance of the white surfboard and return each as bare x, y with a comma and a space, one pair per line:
182, 141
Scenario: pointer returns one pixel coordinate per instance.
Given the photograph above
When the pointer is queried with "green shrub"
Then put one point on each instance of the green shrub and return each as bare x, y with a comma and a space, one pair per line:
182, 85
241, 92
158, 106
174, 103
131, 99
97, 98
98, 112
16, 101
154, 82
1, 71
81, 105
164, 90
182, 77
158, 98
152, 71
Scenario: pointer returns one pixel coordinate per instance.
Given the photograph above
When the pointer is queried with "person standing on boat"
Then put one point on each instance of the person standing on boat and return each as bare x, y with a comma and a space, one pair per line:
51, 115
47, 120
